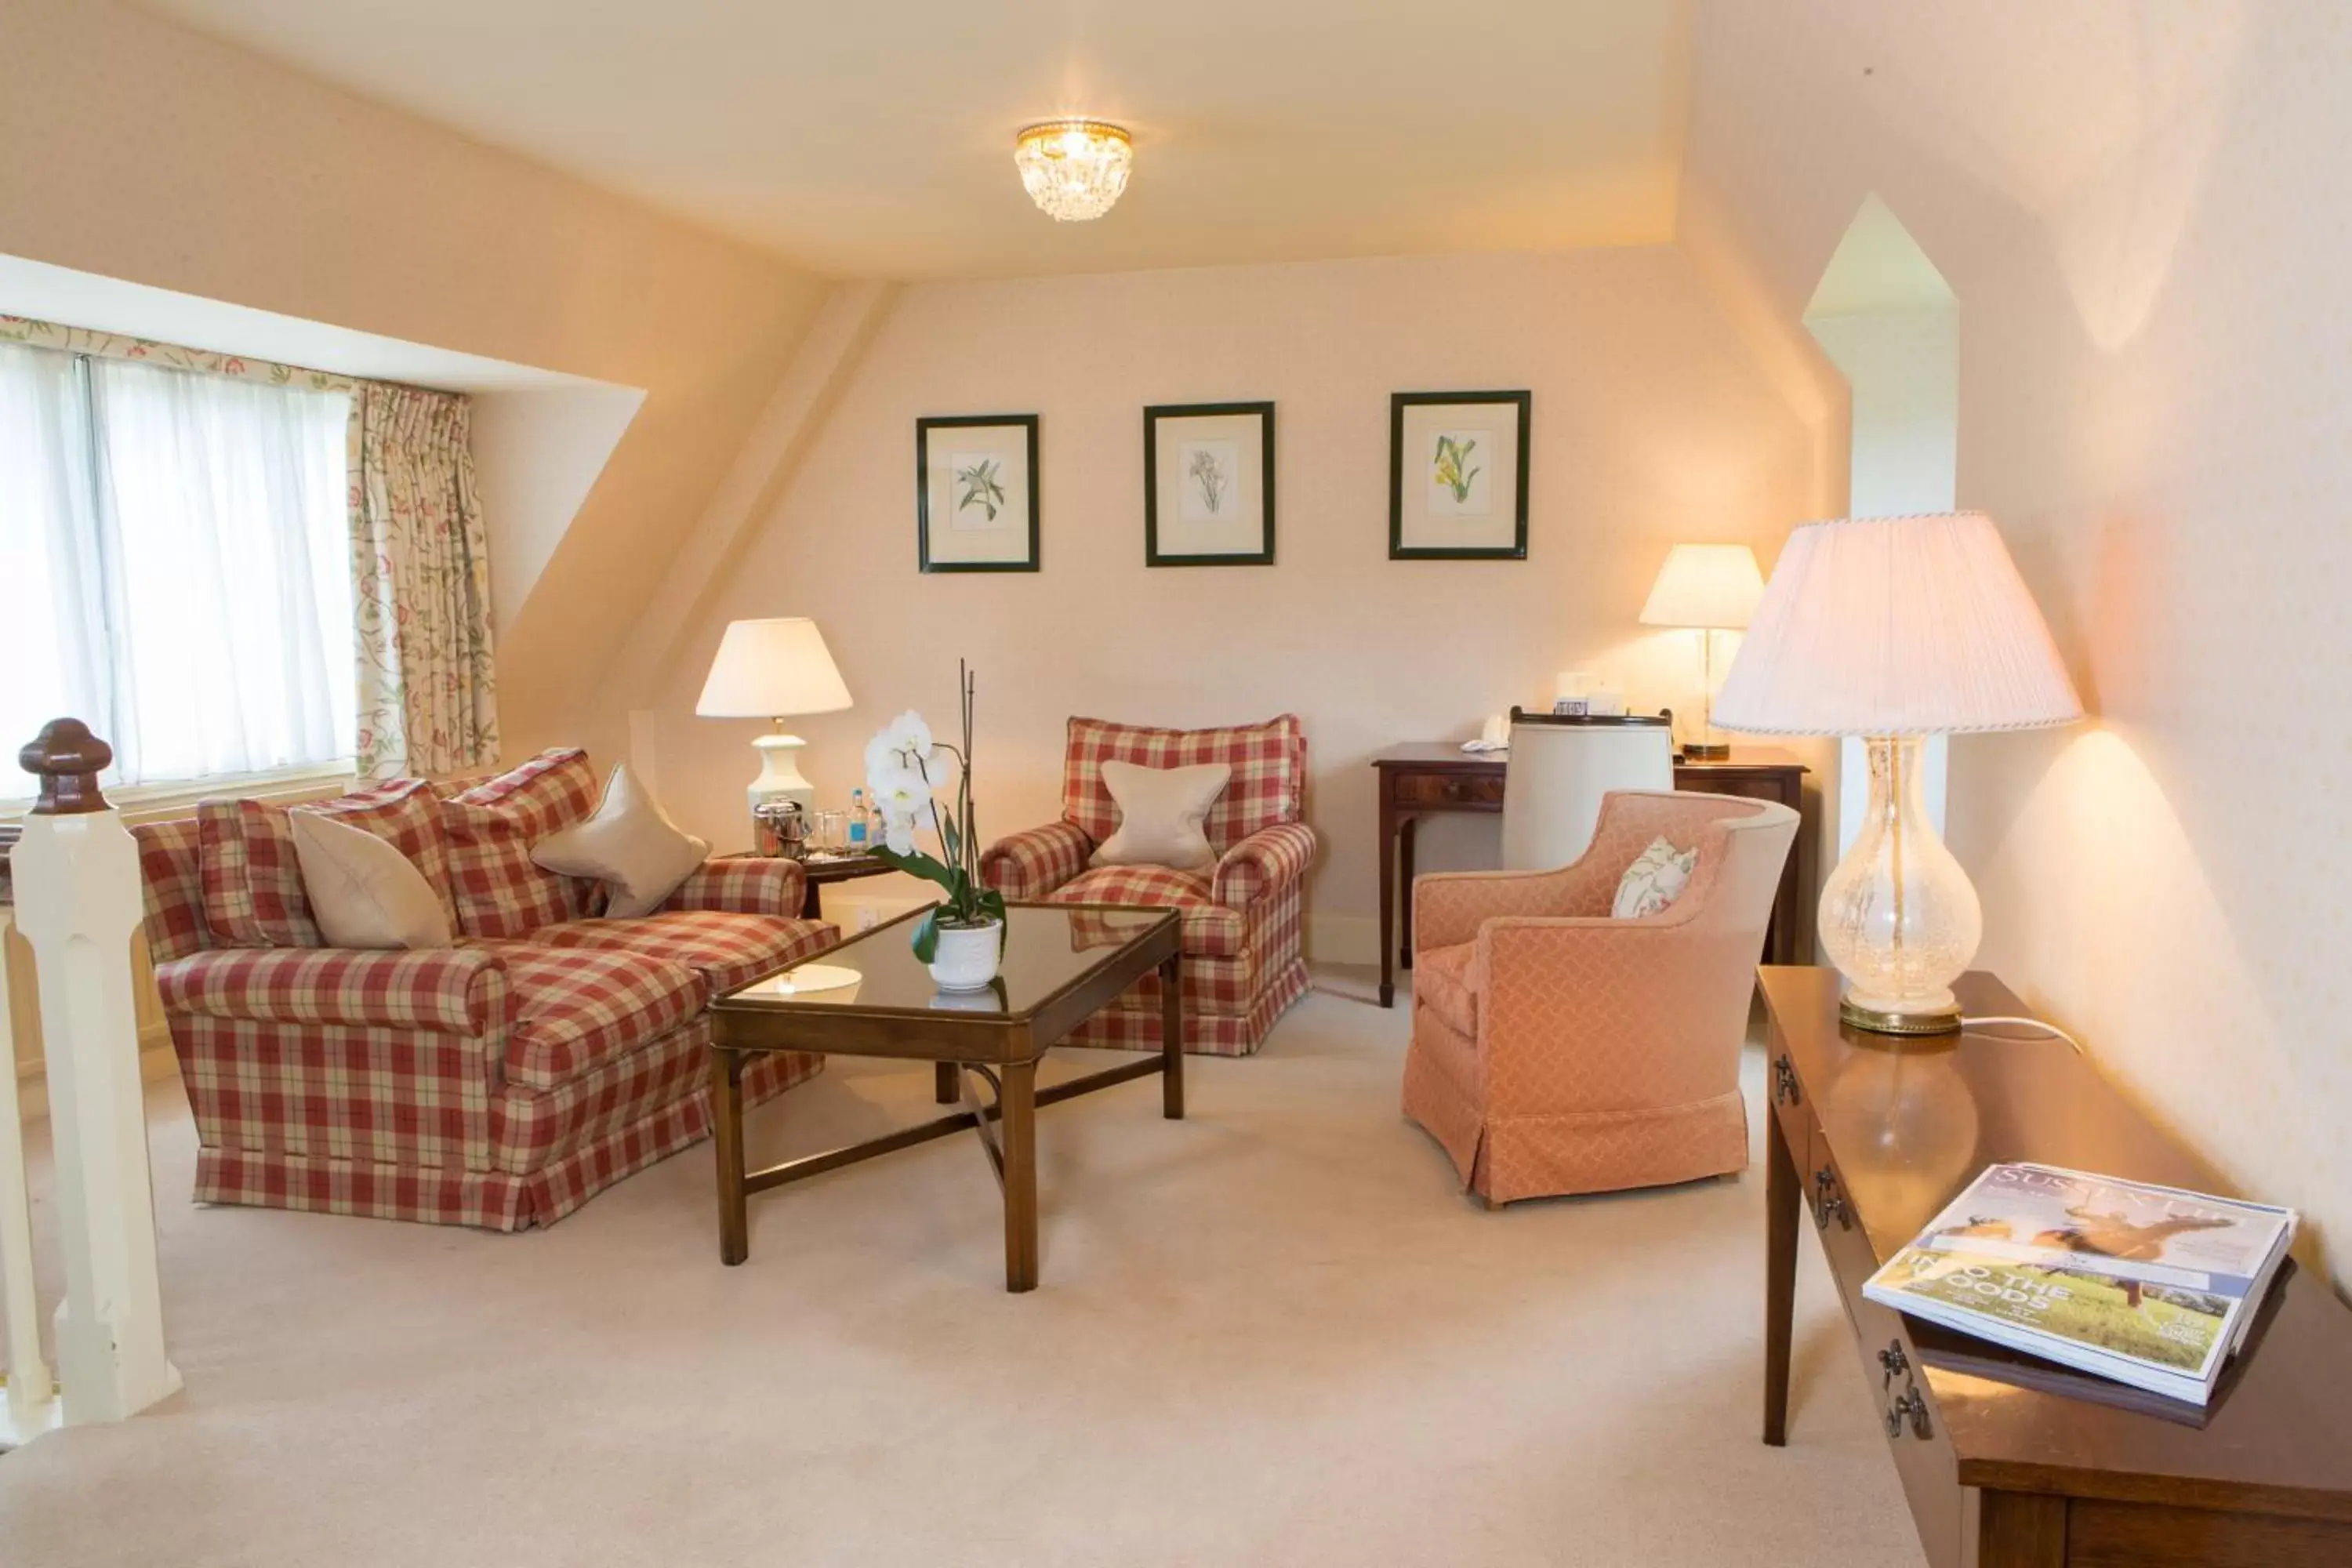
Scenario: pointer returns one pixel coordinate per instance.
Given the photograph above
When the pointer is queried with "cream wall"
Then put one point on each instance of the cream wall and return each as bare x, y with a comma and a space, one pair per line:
138, 151
2141, 205
1651, 424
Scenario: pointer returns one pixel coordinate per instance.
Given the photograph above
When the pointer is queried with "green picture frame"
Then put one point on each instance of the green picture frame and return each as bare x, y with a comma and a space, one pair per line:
975, 482
1446, 452
1216, 456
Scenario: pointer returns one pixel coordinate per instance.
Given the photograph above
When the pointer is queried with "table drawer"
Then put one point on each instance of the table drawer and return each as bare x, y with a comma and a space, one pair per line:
1479, 792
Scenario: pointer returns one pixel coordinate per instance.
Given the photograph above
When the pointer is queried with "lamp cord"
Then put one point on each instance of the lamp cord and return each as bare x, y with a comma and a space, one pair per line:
2047, 1028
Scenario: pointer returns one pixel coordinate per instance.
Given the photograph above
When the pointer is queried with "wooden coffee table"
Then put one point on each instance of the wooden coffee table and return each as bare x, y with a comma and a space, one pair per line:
1063, 964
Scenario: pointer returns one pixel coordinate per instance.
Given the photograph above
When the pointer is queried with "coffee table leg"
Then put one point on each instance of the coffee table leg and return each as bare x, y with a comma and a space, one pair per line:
1020, 1137
947, 1085
727, 1139
1172, 1038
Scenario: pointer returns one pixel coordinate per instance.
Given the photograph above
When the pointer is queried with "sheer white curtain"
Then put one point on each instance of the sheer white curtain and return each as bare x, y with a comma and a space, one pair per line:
189, 536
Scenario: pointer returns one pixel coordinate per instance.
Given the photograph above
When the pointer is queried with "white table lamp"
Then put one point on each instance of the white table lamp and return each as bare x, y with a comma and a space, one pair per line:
1892, 629
774, 669
1713, 588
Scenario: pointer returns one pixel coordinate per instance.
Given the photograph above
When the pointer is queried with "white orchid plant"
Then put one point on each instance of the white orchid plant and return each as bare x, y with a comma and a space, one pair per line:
903, 769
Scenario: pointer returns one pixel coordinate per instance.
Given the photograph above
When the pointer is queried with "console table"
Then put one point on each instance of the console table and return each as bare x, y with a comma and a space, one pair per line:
1429, 776
2007, 1461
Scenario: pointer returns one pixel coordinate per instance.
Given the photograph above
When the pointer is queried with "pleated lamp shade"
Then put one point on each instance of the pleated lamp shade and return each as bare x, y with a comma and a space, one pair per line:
1896, 625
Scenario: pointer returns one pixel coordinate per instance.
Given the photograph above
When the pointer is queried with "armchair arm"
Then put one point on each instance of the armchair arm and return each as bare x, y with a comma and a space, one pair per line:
742, 885
1448, 906
1270, 857
1035, 861
450, 990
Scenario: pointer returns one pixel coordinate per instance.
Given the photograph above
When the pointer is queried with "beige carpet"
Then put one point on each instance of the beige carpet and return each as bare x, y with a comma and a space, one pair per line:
1273, 1333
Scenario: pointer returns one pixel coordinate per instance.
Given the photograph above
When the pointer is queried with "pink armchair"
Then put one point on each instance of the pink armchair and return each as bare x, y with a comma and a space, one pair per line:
1558, 1050
1244, 928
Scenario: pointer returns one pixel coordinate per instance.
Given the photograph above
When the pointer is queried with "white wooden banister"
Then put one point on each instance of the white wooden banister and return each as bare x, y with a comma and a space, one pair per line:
32, 1404
75, 872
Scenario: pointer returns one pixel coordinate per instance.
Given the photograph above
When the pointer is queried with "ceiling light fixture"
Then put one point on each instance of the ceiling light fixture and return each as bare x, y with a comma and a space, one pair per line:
1073, 168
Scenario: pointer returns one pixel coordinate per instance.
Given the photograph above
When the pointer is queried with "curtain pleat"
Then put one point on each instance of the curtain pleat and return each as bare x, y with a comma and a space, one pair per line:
421, 578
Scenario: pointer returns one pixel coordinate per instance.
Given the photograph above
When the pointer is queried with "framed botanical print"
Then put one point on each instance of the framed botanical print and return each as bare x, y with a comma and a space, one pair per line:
1208, 484
1458, 476
976, 493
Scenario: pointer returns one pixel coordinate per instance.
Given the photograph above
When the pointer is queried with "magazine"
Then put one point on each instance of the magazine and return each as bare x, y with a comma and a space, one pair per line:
2150, 1286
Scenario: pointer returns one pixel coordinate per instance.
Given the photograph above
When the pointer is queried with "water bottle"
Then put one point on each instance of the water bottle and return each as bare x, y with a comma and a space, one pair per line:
857, 822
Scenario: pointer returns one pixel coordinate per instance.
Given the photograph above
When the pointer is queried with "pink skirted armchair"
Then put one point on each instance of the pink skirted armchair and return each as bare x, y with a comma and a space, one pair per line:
1558, 1050
1243, 931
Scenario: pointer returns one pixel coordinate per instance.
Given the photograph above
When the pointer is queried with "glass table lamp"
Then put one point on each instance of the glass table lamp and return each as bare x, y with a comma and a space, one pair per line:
774, 669
1711, 588
1892, 629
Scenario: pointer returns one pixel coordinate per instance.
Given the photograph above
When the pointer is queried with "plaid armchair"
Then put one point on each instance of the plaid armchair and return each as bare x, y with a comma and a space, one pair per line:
501, 1082
1243, 920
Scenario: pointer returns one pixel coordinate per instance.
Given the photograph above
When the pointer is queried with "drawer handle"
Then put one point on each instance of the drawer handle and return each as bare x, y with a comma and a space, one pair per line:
1829, 1202
1894, 1363
1784, 1082
1911, 1406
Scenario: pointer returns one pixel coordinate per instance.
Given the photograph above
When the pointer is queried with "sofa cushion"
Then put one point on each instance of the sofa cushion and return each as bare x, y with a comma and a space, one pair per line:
252, 882
490, 828
1161, 811
629, 844
726, 950
1447, 979
574, 1009
1210, 931
1268, 784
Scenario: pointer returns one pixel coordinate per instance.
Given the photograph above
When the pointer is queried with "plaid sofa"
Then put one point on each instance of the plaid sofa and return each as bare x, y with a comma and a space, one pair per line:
501, 1082
1244, 922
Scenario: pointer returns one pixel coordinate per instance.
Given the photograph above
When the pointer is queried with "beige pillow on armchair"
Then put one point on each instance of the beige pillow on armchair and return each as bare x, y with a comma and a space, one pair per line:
1161, 811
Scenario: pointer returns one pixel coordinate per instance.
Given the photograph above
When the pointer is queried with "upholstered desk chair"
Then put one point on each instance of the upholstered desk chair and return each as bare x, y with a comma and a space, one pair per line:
1243, 915
1558, 1050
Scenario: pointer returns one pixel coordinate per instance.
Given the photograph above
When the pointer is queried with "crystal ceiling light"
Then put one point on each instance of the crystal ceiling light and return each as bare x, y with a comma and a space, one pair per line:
1073, 168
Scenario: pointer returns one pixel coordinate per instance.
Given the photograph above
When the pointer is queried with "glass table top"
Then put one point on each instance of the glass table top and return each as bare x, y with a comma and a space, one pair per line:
1048, 949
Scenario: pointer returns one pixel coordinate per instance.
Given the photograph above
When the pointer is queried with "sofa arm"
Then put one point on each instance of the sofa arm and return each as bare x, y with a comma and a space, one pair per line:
450, 990
742, 885
1270, 857
1033, 863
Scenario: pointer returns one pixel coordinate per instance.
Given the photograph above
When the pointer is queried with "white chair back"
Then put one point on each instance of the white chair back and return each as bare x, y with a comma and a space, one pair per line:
1558, 769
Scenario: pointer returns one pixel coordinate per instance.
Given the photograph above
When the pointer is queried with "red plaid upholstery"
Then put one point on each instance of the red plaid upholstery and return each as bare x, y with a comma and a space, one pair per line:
1268, 859
574, 1009
491, 827
1033, 863
450, 991
174, 874
743, 885
1133, 1023
1269, 786
726, 950
500, 1083
252, 885
1209, 929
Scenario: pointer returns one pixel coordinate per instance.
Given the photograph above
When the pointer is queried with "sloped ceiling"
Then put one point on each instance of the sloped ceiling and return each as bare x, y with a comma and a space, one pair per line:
874, 141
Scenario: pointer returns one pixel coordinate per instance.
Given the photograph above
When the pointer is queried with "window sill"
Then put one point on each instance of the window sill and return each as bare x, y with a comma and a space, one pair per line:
164, 802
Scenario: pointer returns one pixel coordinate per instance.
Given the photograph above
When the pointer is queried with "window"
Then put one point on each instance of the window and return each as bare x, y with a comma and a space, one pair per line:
177, 561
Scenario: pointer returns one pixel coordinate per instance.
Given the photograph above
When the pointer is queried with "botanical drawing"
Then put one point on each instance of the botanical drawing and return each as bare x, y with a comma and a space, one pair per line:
1212, 480
1454, 468
979, 482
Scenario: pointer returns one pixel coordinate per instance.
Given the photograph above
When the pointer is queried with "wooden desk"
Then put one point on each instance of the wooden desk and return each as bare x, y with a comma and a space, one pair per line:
2007, 1461
1426, 776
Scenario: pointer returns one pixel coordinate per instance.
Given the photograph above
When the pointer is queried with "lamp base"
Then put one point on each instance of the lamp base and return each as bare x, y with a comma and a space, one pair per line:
780, 773
1698, 752
1939, 1020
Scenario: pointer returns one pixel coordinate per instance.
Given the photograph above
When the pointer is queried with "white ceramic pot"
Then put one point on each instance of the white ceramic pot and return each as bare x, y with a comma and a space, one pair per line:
967, 956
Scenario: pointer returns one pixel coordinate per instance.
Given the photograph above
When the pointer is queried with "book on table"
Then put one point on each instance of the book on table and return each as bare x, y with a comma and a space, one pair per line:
2150, 1286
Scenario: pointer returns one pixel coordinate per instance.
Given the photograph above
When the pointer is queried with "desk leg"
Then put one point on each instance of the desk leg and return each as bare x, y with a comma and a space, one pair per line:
727, 1141
1019, 1102
1388, 893
1782, 1206
1172, 1038
1405, 831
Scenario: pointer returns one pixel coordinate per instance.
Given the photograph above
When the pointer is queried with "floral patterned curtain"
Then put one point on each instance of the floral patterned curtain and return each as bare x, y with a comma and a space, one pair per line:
421, 576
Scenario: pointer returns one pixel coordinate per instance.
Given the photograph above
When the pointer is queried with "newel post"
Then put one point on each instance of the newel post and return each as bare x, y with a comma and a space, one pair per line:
79, 904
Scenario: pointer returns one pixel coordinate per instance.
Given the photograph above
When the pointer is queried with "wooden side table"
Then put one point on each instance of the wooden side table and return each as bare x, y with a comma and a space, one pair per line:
1432, 776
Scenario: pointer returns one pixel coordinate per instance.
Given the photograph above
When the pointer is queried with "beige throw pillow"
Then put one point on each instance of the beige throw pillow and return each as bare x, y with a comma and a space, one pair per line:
630, 845
363, 892
1654, 882
1161, 811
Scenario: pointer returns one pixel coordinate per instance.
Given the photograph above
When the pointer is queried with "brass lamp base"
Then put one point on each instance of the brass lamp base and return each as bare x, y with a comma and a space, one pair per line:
1718, 752
1940, 1021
